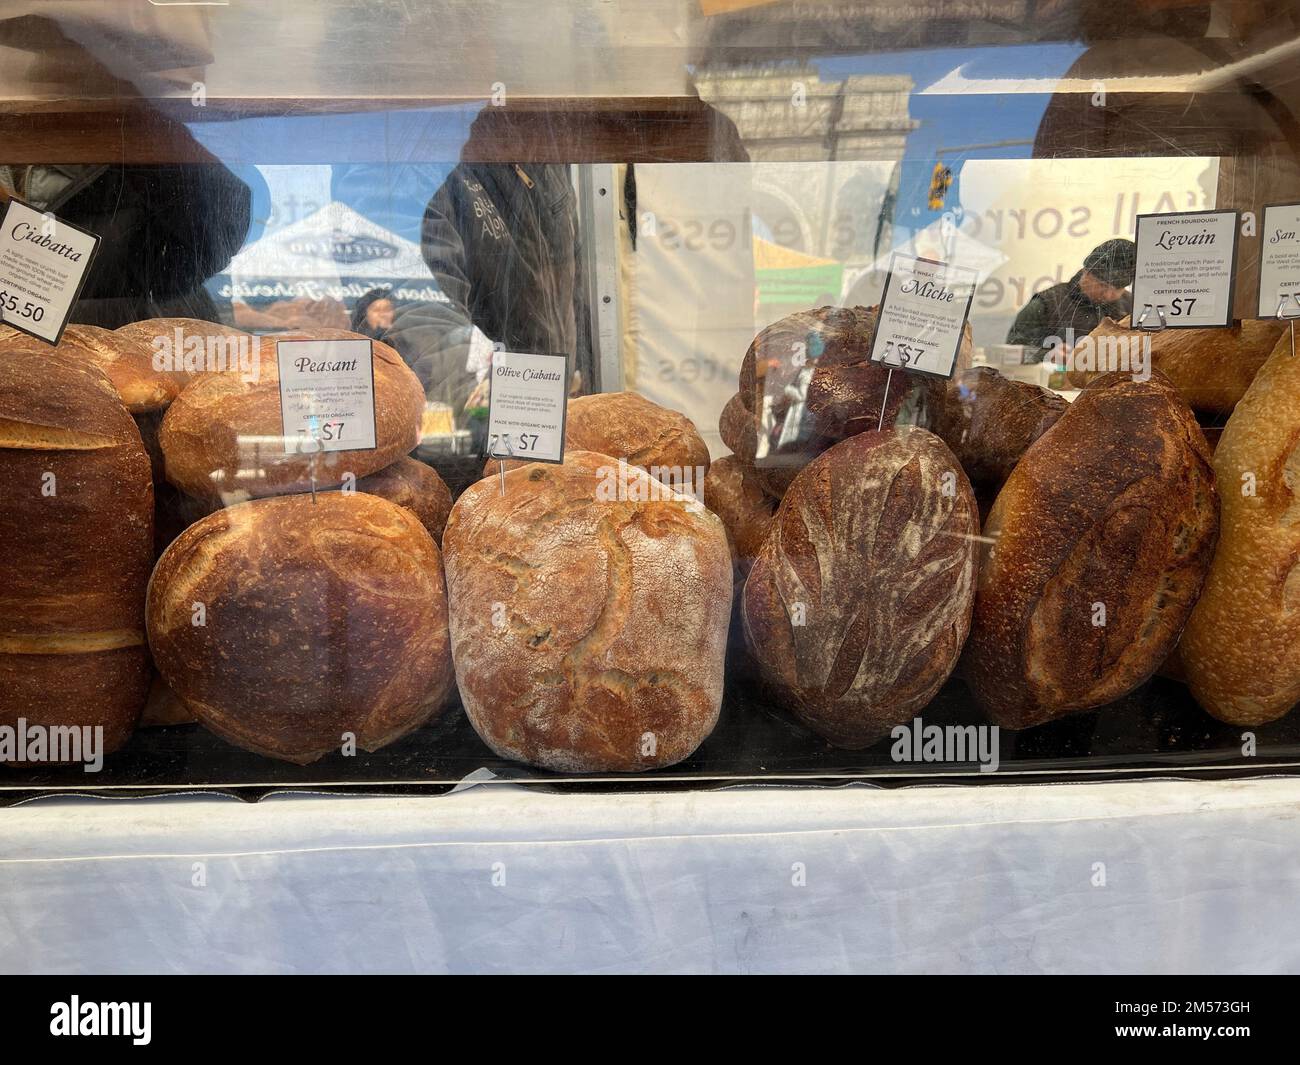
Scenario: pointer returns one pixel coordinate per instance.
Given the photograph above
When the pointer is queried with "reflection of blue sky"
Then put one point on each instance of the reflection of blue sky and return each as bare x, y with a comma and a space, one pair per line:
949, 121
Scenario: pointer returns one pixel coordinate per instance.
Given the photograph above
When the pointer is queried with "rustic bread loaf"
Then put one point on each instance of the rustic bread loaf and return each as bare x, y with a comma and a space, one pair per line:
628, 426
588, 620
164, 707
1241, 649
733, 493
76, 532
860, 599
1103, 535
318, 619
223, 434
128, 363
413, 486
989, 421
185, 349
1211, 368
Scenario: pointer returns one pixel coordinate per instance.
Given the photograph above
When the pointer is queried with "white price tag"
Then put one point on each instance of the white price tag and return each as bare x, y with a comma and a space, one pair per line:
1279, 262
1186, 269
528, 405
43, 266
327, 395
923, 312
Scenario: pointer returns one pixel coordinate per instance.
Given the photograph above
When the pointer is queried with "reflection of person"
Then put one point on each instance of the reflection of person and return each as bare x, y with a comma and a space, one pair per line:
373, 314
1095, 292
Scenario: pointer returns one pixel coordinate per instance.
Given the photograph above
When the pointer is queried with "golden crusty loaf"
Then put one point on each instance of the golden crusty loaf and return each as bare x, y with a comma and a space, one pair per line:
413, 486
1103, 535
185, 349
989, 421
859, 601
76, 532
128, 362
224, 434
319, 619
1211, 368
732, 492
1241, 649
588, 618
628, 426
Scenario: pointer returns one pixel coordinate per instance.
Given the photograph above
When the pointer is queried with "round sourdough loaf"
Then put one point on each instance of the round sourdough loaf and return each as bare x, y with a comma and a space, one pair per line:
1241, 648
188, 348
127, 361
989, 421
223, 434
860, 599
76, 533
1102, 538
318, 619
733, 493
628, 426
413, 486
588, 618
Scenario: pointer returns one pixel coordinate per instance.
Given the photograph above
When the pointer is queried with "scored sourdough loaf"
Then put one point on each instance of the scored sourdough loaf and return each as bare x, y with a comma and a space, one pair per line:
733, 493
989, 421
1102, 538
285, 624
1211, 368
223, 434
1241, 648
860, 599
589, 612
76, 533
626, 425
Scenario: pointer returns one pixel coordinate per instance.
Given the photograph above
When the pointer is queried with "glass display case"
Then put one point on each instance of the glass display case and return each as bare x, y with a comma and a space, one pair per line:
894, 446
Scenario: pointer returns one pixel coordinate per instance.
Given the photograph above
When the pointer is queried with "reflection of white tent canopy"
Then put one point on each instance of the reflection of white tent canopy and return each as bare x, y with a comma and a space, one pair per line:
335, 253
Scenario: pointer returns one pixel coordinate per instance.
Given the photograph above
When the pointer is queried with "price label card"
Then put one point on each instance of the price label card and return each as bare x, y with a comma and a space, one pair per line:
923, 312
1279, 261
327, 395
1186, 269
43, 266
528, 405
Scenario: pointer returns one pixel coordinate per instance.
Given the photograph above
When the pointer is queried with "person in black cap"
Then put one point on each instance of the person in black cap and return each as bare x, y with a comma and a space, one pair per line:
1095, 292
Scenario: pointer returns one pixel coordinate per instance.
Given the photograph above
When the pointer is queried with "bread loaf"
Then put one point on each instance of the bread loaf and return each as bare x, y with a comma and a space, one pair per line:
860, 599
1241, 650
1103, 535
733, 493
224, 434
989, 421
185, 349
626, 425
413, 486
318, 619
588, 619
128, 364
1211, 368
164, 707
76, 531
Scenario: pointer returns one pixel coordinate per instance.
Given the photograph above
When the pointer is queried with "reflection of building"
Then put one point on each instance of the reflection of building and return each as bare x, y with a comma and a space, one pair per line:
826, 154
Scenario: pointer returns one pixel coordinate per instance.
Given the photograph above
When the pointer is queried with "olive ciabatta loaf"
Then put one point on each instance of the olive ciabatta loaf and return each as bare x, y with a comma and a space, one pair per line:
1241, 649
76, 533
589, 612
860, 599
1102, 537
287, 623
628, 426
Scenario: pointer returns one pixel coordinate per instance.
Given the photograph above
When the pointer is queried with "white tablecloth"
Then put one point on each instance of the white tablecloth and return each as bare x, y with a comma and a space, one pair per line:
1157, 876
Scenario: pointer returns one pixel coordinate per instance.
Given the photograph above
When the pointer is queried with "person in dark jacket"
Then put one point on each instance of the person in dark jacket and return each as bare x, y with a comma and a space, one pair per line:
373, 314
1095, 292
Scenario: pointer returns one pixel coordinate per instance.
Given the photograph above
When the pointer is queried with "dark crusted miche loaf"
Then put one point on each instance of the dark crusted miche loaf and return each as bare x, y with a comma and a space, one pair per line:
589, 626
318, 618
1102, 535
989, 421
76, 534
859, 602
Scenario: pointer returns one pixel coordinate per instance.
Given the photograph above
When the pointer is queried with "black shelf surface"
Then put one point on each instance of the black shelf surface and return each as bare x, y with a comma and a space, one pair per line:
1156, 731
